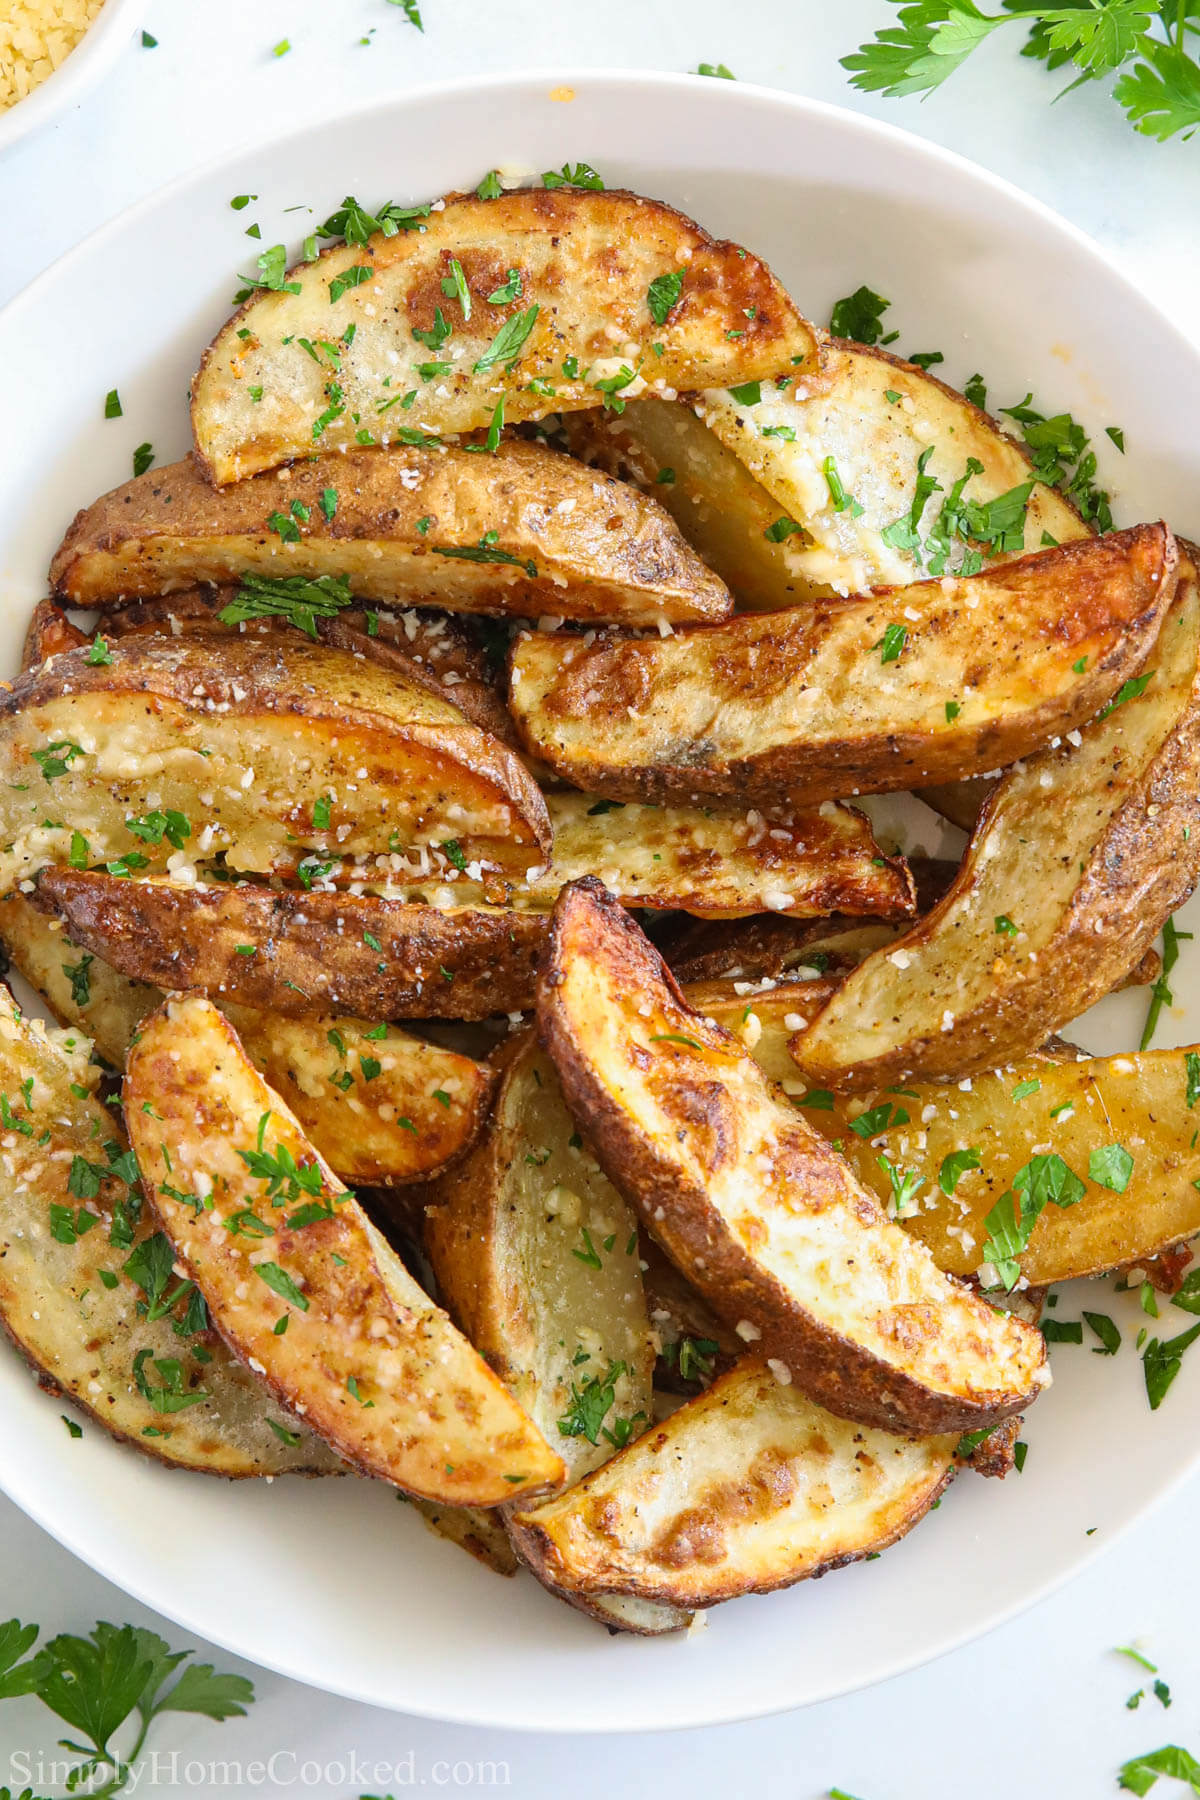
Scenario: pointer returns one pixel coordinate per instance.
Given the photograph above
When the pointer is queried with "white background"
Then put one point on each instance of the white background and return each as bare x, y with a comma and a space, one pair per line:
1040, 1703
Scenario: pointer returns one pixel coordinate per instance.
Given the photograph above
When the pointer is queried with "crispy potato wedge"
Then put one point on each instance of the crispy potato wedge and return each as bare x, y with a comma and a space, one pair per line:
536, 1256
77, 1277
525, 530
387, 958
50, 632
244, 737
1083, 851
765, 947
476, 1529
749, 1487
720, 508
427, 648
79, 988
382, 1109
724, 862
582, 313
536, 1259
858, 422
378, 1369
749, 1200
1073, 1109
973, 673
315, 953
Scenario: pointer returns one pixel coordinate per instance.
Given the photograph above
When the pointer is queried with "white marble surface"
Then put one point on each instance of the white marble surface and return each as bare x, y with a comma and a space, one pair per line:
1039, 1702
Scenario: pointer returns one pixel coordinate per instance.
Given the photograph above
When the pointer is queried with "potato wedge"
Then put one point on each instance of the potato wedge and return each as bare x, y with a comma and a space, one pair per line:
1075, 1110
720, 508
575, 327
383, 1107
536, 1257
858, 424
243, 738
747, 1488
82, 1268
314, 953
50, 632
752, 1204
396, 958
379, 1370
766, 947
525, 530
723, 862
931, 682
1079, 856
427, 648
79, 988
476, 1529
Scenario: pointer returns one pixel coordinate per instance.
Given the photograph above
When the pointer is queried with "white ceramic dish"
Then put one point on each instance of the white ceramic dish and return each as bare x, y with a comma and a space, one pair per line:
335, 1583
90, 61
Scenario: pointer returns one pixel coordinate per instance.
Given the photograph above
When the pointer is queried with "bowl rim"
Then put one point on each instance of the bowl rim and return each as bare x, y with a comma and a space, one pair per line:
716, 94
84, 67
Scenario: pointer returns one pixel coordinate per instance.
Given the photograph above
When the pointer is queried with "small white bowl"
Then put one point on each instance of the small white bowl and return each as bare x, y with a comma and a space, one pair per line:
90, 61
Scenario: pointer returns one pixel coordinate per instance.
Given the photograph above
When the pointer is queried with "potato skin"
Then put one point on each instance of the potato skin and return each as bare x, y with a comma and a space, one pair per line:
312, 950
569, 541
605, 1000
1087, 848
585, 262
799, 702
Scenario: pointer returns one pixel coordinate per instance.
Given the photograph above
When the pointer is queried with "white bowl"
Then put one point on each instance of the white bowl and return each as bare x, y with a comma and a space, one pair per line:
335, 1583
90, 61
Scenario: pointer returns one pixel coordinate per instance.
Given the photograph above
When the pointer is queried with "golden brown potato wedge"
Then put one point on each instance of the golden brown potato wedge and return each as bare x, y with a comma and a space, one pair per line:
926, 683
476, 1529
965, 1145
79, 988
381, 1106
258, 747
765, 947
536, 1257
713, 498
724, 861
749, 1200
388, 958
1079, 856
840, 449
268, 1233
314, 953
748, 1487
427, 648
88, 1291
50, 632
524, 530
560, 297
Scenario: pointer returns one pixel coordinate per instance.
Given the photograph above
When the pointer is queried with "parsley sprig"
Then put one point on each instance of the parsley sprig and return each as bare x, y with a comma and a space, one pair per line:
99, 1682
1145, 43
